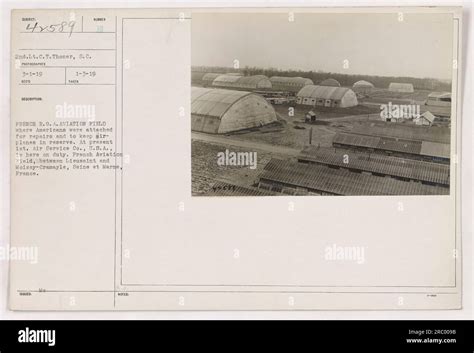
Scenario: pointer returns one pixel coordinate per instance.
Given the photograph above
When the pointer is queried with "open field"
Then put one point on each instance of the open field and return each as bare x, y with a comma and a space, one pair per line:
292, 133
327, 112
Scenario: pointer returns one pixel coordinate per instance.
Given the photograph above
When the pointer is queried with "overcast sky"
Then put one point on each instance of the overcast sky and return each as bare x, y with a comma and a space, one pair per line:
374, 44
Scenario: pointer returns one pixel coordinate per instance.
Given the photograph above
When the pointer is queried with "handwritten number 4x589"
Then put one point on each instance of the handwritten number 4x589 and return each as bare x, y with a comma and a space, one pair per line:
63, 27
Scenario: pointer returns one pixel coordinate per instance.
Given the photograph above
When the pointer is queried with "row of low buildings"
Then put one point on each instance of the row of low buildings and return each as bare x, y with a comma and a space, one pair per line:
328, 93
414, 149
261, 82
288, 177
306, 91
217, 110
361, 163
347, 172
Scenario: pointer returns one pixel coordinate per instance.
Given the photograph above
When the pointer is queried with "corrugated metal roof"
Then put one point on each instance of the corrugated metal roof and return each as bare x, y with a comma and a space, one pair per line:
381, 143
323, 92
441, 150
213, 102
362, 83
356, 140
424, 148
405, 146
341, 182
376, 163
330, 82
409, 132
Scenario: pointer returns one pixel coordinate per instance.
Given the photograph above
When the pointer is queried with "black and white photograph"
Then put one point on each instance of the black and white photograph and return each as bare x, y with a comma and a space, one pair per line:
143, 145
345, 104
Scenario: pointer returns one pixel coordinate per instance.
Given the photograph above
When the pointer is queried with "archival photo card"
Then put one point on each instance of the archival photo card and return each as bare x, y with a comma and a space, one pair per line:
125, 123
321, 104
